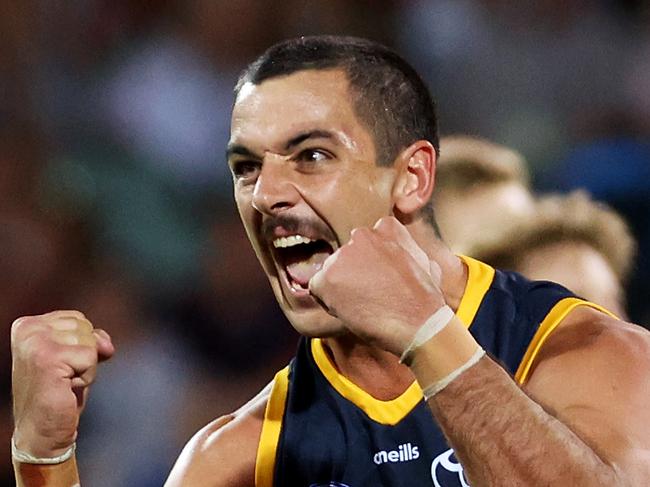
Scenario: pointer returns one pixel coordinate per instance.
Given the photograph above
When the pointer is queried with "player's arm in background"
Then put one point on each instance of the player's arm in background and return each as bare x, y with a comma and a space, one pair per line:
584, 421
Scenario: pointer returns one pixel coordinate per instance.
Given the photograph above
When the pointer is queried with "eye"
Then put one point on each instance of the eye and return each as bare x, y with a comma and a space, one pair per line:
245, 170
313, 156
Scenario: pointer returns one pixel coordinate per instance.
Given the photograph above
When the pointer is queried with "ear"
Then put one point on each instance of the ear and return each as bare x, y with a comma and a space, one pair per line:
415, 180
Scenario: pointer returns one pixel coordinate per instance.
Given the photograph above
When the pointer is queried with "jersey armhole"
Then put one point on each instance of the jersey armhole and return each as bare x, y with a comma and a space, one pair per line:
271, 429
554, 317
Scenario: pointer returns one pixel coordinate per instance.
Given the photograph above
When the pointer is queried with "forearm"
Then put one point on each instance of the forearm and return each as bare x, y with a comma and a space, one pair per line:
60, 475
502, 437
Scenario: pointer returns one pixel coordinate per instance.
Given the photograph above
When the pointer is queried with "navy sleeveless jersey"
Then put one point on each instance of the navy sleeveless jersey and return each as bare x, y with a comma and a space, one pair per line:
321, 430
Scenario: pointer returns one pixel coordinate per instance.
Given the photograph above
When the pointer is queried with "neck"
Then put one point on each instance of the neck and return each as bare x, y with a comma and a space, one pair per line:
379, 372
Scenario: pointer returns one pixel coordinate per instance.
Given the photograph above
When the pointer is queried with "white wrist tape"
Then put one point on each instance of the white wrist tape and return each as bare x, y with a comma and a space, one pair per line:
436, 322
24, 457
433, 389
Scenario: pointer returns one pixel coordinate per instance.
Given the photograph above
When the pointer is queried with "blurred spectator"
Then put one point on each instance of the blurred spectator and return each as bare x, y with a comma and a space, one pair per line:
574, 241
518, 72
132, 417
481, 189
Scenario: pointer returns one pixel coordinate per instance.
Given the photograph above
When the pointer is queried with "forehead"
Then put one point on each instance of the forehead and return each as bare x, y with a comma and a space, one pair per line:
276, 109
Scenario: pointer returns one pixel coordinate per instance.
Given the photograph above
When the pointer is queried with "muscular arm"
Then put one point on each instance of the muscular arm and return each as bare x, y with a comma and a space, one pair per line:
584, 422
224, 452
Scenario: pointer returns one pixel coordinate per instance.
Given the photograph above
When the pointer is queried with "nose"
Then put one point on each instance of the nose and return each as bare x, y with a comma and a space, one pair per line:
274, 190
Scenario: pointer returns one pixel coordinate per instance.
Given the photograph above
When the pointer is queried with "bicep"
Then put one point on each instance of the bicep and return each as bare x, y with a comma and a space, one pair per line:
594, 376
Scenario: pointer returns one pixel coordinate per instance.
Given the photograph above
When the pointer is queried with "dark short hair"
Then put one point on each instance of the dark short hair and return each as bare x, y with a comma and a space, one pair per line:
388, 96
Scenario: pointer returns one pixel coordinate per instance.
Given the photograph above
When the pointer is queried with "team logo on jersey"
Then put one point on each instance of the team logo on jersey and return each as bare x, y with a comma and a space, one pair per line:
446, 471
330, 484
404, 453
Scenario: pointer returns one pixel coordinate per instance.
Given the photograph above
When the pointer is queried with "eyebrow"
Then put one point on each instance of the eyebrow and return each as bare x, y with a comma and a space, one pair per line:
242, 150
311, 134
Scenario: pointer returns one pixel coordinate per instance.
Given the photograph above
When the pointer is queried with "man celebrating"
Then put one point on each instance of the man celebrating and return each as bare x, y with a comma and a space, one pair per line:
414, 361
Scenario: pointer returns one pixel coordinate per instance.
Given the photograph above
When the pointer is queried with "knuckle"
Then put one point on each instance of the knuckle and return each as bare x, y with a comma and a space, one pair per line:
74, 314
386, 222
341, 254
26, 339
87, 340
84, 325
18, 322
359, 233
71, 313
16, 330
22, 325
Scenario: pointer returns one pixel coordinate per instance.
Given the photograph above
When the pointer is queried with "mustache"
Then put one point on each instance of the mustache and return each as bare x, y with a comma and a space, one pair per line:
301, 226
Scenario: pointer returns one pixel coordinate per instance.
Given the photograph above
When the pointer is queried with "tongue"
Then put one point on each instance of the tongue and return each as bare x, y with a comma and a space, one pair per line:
300, 272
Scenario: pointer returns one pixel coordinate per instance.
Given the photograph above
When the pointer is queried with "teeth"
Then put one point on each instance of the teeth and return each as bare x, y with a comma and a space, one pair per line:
284, 242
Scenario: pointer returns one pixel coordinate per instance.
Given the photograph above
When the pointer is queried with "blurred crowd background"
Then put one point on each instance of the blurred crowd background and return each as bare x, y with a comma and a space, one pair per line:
115, 198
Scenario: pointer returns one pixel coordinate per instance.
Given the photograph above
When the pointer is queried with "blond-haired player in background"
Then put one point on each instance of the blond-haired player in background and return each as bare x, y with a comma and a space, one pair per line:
482, 188
572, 240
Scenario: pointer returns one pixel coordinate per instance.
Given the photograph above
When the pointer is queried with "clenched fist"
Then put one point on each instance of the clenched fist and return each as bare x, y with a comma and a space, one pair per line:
55, 358
381, 284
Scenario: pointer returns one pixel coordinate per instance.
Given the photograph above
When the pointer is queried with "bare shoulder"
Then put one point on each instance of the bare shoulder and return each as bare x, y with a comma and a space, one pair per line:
591, 338
223, 453
593, 373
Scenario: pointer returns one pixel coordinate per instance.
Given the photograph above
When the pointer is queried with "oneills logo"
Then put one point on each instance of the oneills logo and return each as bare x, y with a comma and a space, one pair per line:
404, 453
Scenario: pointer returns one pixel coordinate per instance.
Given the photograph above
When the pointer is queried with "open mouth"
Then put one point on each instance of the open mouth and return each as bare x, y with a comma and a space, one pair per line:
301, 257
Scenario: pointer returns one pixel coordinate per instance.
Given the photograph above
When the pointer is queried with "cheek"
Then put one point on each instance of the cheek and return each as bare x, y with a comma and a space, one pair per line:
349, 201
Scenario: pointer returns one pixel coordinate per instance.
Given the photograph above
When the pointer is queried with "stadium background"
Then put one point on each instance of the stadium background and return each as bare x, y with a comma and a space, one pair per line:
115, 199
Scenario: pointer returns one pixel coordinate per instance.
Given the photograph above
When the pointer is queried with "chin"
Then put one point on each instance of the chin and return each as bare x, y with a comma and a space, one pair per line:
315, 323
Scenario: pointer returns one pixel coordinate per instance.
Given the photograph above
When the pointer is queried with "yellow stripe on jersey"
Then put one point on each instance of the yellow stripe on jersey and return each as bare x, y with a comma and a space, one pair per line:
271, 429
554, 317
383, 412
479, 279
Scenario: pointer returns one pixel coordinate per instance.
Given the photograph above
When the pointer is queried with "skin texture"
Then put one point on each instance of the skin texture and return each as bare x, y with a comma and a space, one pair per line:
582, 424
588, 425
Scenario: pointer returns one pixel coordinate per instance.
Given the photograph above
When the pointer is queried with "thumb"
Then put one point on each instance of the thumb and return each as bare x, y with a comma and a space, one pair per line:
105, 347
